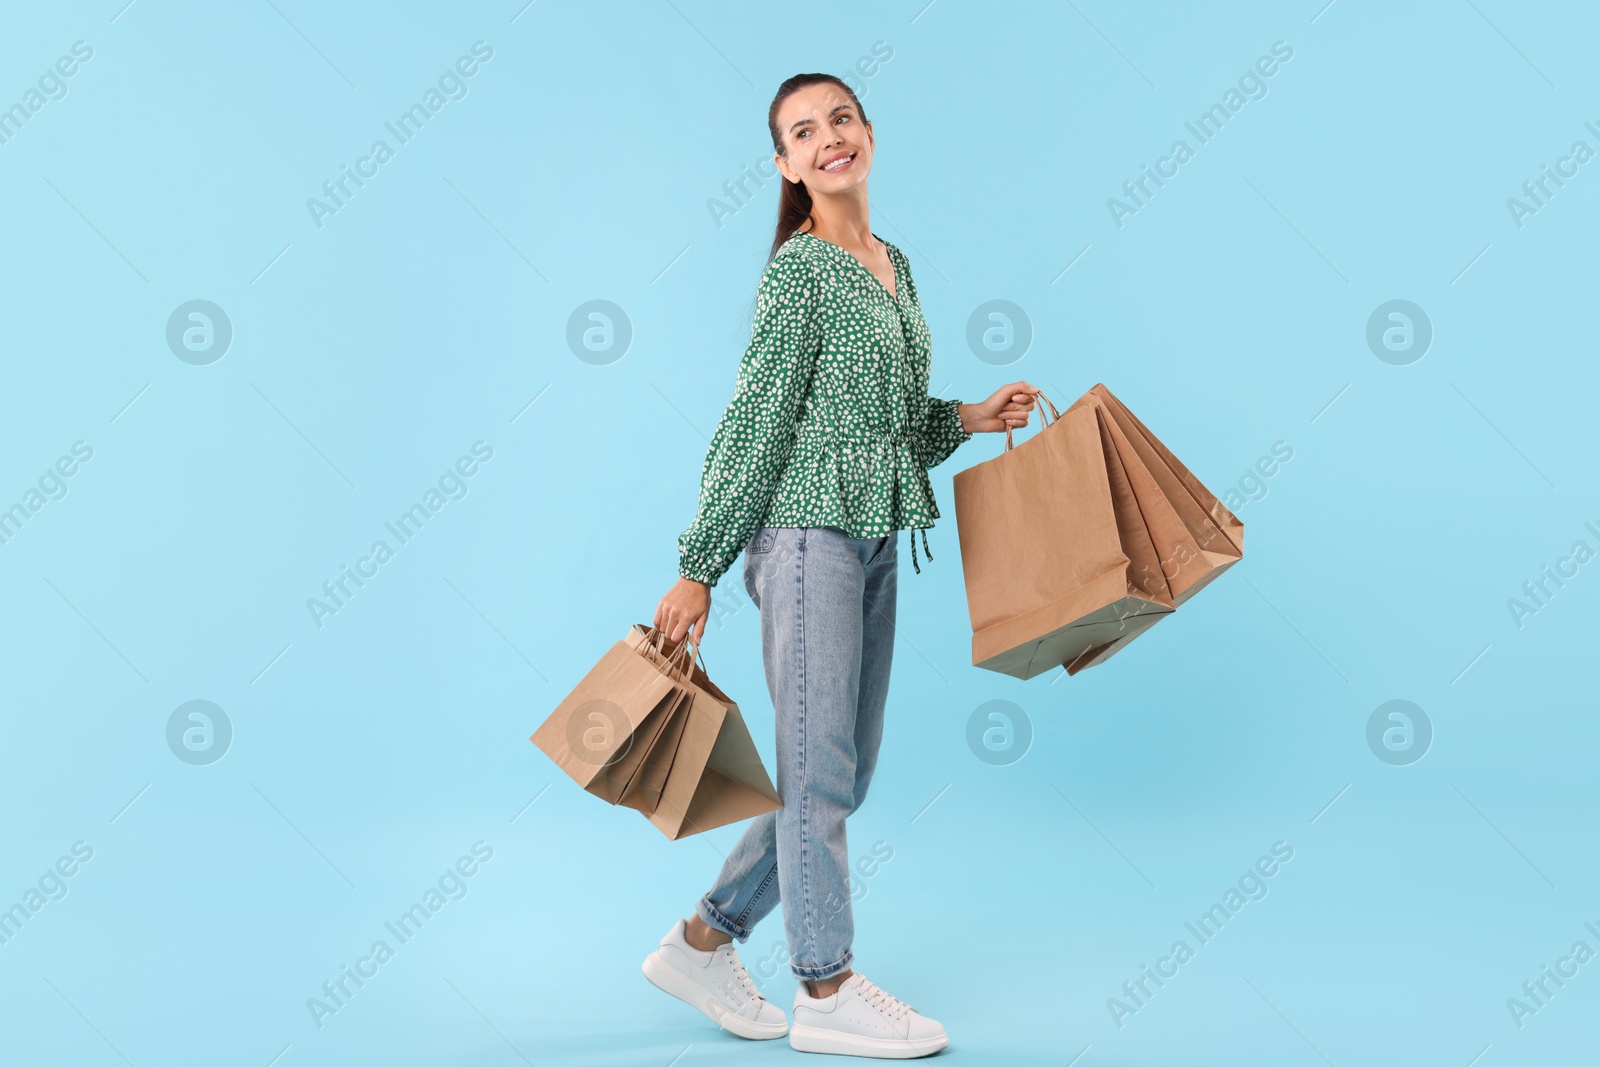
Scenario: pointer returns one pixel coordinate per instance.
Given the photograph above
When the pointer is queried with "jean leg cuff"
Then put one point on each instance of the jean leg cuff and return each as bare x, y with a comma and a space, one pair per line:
716, 920
816, 974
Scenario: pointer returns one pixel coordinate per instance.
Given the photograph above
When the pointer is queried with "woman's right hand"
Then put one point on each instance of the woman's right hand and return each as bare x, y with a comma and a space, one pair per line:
688, 602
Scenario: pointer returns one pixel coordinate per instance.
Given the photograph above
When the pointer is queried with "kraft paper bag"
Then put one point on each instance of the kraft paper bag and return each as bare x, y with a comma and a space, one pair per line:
602, 731
1082, 538
716, 775
646, 728
655, 759
1210, 539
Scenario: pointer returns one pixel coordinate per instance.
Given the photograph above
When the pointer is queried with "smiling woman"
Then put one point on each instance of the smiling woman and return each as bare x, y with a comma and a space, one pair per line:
818, 462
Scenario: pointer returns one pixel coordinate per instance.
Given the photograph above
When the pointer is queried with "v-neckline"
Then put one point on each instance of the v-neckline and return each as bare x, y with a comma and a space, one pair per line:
893, 266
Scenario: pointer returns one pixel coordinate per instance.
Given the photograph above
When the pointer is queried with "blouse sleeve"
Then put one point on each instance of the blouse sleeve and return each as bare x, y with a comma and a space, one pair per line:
940, 432
755, 437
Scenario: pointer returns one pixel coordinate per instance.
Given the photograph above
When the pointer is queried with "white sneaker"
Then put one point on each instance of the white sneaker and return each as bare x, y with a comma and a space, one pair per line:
862, 1020
716, 983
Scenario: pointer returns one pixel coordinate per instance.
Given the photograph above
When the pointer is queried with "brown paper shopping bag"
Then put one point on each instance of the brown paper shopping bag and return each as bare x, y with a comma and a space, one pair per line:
1082, 538
716, 775
602, 731
1196, 537
646, 728
1053, 549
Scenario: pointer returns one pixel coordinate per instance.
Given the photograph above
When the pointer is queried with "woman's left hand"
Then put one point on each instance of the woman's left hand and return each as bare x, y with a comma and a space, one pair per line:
1009, 406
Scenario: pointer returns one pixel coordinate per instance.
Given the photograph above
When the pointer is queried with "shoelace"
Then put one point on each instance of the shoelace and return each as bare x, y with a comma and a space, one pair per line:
884, 1001
741, 975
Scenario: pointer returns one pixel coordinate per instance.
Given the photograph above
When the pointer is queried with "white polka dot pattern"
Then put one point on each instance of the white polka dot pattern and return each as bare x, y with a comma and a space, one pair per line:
831, 423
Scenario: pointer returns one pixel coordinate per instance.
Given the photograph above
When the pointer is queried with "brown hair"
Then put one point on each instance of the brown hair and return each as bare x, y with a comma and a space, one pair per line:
794, 199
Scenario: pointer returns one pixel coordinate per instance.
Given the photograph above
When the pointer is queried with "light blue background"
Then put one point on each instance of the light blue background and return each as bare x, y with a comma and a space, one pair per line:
431, 312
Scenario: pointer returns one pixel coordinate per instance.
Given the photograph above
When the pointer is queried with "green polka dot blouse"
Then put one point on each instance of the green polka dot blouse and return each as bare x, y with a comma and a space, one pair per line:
831, 423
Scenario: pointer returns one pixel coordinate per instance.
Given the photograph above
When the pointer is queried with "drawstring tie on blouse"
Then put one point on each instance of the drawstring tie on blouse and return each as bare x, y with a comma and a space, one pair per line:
925, 551
899, 441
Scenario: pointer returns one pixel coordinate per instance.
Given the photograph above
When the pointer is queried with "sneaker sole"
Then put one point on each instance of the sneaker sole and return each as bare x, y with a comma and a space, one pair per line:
818, 1039
675, 983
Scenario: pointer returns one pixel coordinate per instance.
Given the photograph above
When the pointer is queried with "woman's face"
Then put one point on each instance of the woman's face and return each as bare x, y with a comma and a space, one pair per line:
819, 126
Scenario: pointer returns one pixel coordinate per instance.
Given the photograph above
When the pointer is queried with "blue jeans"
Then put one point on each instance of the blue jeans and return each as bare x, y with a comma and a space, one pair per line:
827, 635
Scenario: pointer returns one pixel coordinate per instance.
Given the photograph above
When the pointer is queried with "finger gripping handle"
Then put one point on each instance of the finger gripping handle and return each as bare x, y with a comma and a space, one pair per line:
1054, 415
678, 662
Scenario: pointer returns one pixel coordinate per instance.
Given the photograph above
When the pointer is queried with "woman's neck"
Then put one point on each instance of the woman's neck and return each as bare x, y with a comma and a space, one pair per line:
843, 220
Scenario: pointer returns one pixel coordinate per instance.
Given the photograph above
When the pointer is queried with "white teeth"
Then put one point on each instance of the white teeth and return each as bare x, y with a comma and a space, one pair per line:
839, 163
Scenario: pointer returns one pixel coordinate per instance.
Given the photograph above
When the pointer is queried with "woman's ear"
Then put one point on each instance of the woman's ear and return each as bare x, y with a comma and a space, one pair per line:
785, 170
